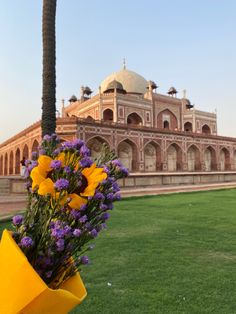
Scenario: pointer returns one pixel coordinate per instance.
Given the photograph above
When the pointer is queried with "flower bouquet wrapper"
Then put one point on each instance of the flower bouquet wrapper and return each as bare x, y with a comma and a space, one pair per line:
22, 290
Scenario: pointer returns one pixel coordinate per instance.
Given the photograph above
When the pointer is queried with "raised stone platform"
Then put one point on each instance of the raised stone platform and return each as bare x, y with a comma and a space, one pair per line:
153, 180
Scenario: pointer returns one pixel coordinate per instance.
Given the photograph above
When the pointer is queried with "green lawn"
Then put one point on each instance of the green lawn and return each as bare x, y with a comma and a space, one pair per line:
166, 254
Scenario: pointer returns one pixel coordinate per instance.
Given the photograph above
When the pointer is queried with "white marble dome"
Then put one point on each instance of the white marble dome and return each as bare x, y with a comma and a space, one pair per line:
131, 81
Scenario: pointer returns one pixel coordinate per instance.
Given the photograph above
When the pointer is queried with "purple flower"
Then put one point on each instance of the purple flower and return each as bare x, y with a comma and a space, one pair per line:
117, 197
88, 226
84, 151
17, 220
67, 230
47, 138
93, 233
56, 152
103, 207
115, 187
83, 219
125, 171
42, 151
83, 207
61, 184
105, 216
75, 214
56, 164
77, 143
67, 145
77, 232
84, 259
60, 245
26, 242
99, 196
116, 162
67, 170
85, 162
110, 197
34, 155
58, 233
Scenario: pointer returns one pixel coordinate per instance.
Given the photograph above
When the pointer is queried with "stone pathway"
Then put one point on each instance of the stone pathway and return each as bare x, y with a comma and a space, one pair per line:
15, 203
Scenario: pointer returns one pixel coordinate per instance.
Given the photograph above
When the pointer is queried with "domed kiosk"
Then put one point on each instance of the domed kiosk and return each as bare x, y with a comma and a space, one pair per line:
132, 82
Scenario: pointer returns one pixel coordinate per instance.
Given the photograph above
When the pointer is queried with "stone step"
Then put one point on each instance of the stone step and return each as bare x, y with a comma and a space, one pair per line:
4, 186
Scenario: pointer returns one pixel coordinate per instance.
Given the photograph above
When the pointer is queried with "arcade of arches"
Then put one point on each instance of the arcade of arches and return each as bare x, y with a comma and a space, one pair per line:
153, 157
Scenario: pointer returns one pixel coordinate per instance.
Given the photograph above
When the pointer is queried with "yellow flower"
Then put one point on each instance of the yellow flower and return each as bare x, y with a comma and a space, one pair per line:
76, 201
93, 176
39, 173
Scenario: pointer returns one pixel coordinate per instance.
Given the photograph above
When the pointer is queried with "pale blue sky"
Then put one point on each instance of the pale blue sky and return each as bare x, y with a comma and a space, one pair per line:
185, 43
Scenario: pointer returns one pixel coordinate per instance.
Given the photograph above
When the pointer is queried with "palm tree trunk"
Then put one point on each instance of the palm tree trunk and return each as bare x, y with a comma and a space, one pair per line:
48, 123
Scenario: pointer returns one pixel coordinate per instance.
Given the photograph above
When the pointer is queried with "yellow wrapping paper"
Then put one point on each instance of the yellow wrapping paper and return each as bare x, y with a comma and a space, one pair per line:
22, 291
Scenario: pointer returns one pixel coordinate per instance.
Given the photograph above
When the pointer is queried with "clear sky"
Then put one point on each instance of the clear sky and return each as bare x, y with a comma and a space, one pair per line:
185, 43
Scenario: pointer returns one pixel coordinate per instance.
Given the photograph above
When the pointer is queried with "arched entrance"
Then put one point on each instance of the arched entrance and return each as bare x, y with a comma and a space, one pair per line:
224, 159
11, 163
134, 119
127, 153
235, 160
1, 165
35, 146
95, 145
152, 157
210, 159
174, 158
26, 152
193, 158
108, 115
6, 165
17, 161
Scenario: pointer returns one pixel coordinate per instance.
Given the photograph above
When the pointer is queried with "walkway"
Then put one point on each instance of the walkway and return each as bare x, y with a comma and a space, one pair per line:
15, 203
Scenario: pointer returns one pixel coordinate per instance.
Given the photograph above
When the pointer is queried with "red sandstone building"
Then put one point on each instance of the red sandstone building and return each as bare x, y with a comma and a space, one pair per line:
150, 132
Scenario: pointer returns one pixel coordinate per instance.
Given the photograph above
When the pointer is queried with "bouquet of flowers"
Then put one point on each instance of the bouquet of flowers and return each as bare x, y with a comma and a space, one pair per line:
69, 199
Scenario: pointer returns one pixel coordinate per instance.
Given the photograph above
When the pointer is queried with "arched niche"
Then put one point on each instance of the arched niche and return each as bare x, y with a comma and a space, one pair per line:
134, 119
193, 158
108, 115
174, 157
152, 157
206, 129
167, 120
210, 159
95, 145
188, 127
127, 153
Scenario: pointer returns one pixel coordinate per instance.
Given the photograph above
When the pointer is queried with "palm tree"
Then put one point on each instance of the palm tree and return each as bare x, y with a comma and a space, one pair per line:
48, 123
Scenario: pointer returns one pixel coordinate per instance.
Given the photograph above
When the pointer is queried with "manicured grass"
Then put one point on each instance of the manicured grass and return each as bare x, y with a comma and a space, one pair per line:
165, 254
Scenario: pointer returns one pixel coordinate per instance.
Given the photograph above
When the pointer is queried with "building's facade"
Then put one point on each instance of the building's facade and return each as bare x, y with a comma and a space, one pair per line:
150, 132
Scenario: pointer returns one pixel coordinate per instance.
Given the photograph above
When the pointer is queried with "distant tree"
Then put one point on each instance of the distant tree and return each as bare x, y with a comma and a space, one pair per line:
48, 123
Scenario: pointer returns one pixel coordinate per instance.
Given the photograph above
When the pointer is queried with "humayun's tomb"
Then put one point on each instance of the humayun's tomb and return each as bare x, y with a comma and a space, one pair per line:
153, 134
